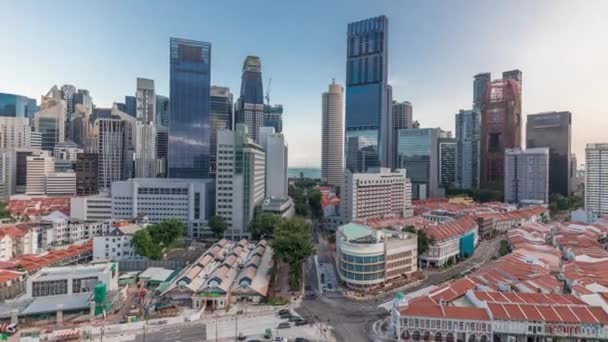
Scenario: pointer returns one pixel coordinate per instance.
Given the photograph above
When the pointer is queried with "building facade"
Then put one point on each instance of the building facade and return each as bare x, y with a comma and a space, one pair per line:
368, 133
527, 176
145, 139
50, 122
240, 179
500, 123
15, 132
37, 169
467, 149
332, 135
375, 194
369, 257
273, 116
222, 117
86, 174
61, 184
418, 152
189, 200
553, 130
17, 106
276, 150
596, 179
190, 80
93, 207
402, 118
250, 106
447, 162
111, 143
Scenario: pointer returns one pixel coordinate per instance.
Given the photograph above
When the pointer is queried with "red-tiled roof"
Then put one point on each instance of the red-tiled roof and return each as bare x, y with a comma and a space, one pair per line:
32, 263
451, 229
442, 311
6, 275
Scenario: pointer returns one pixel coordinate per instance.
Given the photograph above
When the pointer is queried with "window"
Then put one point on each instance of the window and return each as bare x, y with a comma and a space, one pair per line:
49, 288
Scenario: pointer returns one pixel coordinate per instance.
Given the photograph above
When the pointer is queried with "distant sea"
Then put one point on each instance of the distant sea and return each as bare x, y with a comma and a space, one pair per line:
309, 172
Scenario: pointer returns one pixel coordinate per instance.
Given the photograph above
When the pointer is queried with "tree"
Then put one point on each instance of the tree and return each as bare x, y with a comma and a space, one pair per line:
145, 245
292, 244
217, 225
4, 212
424, 241
165, 232
314, 202
264, 224
505, 248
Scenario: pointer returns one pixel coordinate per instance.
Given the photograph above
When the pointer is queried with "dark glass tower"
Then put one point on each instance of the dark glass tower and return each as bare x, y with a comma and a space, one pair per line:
17, 106
368, 123
553, 130
250, 106
188, 153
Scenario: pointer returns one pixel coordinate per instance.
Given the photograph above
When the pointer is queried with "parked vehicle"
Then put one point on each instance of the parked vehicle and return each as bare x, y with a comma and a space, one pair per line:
284, 325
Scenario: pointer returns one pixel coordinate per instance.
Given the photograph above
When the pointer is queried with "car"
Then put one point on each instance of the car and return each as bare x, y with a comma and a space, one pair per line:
284, 325
241, 337
294, 318
301, 339
301, 322
286, 315
254, 341
279, 339
283, 311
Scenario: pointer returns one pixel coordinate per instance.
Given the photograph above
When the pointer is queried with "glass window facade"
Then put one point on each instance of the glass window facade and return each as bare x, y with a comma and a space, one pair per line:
362, 268
188, 153
17, 106
361, 149
418, 154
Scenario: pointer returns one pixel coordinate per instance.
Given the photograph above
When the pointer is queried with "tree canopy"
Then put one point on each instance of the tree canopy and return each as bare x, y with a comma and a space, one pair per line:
217, 225
424, 241
314, 203
165, 232
264, 224
145, 245
292, 243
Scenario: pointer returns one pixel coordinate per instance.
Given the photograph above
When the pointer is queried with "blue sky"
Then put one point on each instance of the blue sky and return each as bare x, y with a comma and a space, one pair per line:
435, 47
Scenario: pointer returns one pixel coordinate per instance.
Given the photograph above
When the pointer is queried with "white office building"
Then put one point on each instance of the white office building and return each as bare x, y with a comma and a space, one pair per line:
37, 169
239, 180
527, 176
275, 147
61, 184
596, 179
94, 207
159, 199
375, 194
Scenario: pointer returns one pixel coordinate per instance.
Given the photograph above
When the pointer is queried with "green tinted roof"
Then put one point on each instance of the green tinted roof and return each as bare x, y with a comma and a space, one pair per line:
354, 231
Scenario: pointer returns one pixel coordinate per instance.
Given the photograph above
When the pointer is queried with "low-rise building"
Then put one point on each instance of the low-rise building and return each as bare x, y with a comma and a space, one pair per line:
283, 207
116, 245
12, 284
450, 241
94, 207
17, 241
369, 258
57, 229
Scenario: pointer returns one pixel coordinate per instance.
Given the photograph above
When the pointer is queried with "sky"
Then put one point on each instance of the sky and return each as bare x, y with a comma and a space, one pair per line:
435, 48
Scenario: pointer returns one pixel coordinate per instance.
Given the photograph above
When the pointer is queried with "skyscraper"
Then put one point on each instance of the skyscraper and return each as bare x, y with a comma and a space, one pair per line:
273, 117
190, 77
275, 148
553, 130
368, 122
500, 124
402, 118
17, 106
222, 117
527, 175
131, 105
419, 153
110, 138
145, 140
67, 92
250, 106
332, 141
447, 162
596, 179
86, 174
50, 122
15, 132
467, 149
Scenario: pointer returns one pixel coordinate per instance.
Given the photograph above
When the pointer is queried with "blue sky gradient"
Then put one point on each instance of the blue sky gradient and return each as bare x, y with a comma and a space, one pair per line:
435, 48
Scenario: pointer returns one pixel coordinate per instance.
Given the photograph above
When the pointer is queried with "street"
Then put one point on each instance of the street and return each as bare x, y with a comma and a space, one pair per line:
182, 333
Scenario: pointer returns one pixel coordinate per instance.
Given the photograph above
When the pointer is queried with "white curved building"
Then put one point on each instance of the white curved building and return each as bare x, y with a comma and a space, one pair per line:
368, 257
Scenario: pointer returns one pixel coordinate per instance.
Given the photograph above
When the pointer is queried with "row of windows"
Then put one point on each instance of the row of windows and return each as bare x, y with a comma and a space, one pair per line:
363, 276
362, 259
448, 325
361, 268
162, 191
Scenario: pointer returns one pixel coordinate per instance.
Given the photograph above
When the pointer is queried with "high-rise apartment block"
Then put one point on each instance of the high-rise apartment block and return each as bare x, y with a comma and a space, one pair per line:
527, 176
596, 179
500, 104
275, 147
375, 194
240, 179
467, 148
332, 135
368, 103
190, 80
250, 106
554, 131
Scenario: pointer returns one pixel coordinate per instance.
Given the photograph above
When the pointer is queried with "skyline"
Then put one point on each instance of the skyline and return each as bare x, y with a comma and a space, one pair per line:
434, 51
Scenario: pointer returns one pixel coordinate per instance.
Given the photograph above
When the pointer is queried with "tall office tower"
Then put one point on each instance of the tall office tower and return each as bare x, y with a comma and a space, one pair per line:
553, 130
86, 174
110, 142
402, 118
50, 122
80, 126
17, 106
20, 169
250, 106
332, 134
418, 153
596, 179
500, 125
447, 162
573, 171
190, 77
82, 97
273, 117
481, 83
527, 175
37, 169
375, 194
15, 132
240, 179
7, 175
162, 134
276, 150
467, 149
222, 117
131, 105
145, 139
67, 94
130, 141
368, 120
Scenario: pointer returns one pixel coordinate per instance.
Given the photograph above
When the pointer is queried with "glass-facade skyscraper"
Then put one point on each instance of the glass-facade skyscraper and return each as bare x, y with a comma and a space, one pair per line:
17, 106
467, 148
190, 77
250, 106
419, 154
368, 123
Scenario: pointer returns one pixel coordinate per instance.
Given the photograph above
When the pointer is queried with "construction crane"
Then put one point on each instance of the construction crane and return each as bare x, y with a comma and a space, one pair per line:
267, 97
